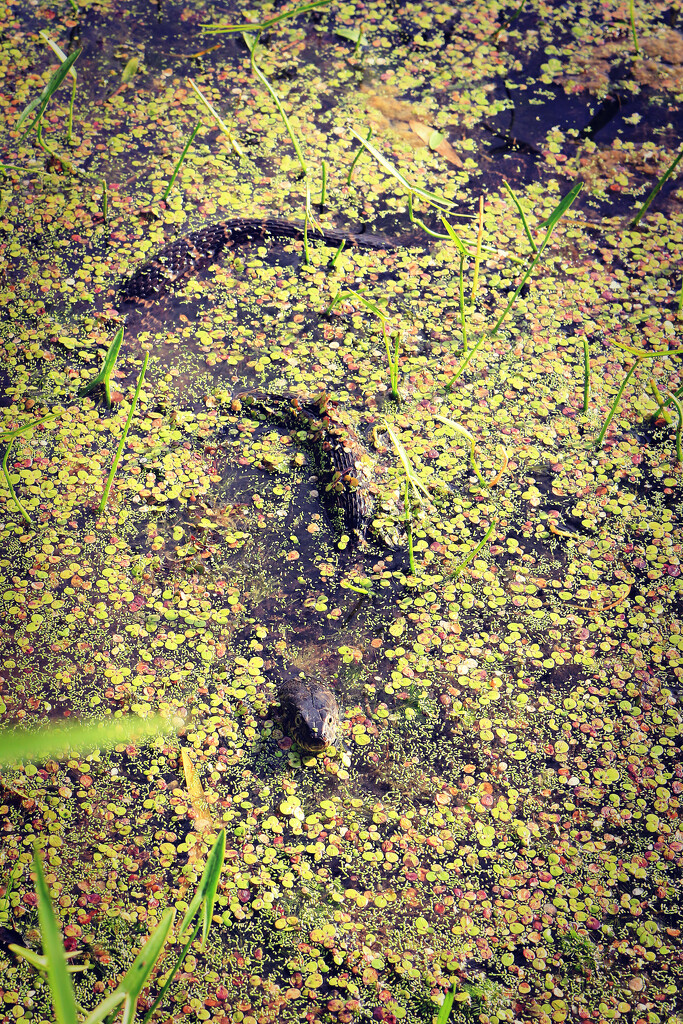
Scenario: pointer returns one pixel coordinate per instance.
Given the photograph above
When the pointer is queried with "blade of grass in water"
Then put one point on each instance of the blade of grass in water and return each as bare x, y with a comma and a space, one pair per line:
50, 89
34, 746
104, 376
615, 404
203, 901
323, 187
176, 169
217, 118
262, 26
411, 475
59, 980
10, 436
430, 197
251, 42
632, 19
117, 456
105, 201
520, 211
473, 554
446, 1006
74, 81
549, 224
655, 191
357, 158
409, 527
469, 437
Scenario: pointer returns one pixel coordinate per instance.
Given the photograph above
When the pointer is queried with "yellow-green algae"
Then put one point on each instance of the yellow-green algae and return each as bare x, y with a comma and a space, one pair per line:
502, 811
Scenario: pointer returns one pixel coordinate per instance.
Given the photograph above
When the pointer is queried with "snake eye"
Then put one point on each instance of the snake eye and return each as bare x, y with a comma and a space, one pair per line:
298, 721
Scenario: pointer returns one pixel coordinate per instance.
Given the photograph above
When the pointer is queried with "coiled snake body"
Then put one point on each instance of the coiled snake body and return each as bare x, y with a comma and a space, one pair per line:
185, 257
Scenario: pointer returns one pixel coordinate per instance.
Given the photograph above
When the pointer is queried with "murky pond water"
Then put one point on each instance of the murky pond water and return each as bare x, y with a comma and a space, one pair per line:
499, 813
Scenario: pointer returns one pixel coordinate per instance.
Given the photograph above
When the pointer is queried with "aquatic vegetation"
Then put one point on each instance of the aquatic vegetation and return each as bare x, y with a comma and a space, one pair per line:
10, 436
124, 435
53, 961
501, 817
657, 189
108, 365
40, 103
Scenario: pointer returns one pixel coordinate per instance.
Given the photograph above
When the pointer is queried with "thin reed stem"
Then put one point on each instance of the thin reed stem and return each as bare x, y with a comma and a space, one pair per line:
119, 450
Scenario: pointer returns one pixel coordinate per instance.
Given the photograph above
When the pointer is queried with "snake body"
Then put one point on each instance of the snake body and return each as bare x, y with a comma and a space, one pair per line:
186, 256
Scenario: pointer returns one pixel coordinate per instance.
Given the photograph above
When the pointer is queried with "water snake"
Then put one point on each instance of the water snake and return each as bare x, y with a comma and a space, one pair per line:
308, 706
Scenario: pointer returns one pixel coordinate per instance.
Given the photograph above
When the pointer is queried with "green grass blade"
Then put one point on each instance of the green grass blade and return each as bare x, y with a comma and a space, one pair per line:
550, 223
207, 888
253, 27
49, 90
632, 20
179, 164
251, 44
10, 435
38, 962
430, 197
655, 191
10, 487
473, 554
520, 211
117, 456
407, 464
446, 1006
615, 404
61, 987
217, 118
103, 377
454, 238
33, 746
559, 211
133, 981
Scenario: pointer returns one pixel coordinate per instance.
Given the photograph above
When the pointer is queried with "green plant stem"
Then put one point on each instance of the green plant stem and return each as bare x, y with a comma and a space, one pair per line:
473, 554
169, 980
421, 223
477, 254
340, 249
586, 374
661, 403
105, 200
520, 211
70, 122
10, 436
463, 319
323, 189
119, 450
179, 164
655, 191
392, 360
357, 158
615, 404
276, 99
632, 19
551, 222
679, 428
251, 27
10, 486
409, 527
